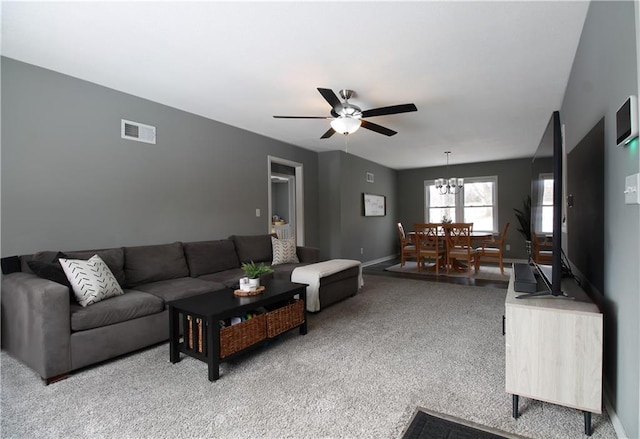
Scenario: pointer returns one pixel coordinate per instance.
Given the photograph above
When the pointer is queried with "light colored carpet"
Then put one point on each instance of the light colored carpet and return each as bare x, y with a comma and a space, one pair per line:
485, 272
360, 372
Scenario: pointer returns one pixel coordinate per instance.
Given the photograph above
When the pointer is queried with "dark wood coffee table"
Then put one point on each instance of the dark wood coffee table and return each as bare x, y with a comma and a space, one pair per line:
205, 340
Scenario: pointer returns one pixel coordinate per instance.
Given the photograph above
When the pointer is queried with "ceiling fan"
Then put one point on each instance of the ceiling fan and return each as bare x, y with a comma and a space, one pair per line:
346, 118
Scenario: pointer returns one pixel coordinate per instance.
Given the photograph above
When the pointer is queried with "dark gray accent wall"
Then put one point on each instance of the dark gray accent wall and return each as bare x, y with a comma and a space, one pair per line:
344, 230
604, 74
70, 182
514, 184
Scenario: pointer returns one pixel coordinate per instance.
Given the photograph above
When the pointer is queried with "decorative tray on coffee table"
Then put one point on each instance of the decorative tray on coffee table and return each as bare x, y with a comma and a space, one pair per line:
243, 293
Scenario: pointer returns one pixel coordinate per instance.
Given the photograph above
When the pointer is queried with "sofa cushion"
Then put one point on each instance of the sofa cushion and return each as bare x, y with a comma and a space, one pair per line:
91, 280
210, 256
152, 263
284, 251
256, 248
113, 257
174, 289
229, 278
131, 305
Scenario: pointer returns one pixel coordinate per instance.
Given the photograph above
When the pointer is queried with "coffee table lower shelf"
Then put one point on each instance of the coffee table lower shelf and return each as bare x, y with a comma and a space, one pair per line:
205, 340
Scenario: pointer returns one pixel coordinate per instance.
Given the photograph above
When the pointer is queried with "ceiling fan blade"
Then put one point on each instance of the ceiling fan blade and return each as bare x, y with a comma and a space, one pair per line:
330, 97
393, 109
330, 132
302, 117
377, 128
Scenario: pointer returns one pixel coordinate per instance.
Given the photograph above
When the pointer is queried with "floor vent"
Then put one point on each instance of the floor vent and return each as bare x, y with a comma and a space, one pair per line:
138, 131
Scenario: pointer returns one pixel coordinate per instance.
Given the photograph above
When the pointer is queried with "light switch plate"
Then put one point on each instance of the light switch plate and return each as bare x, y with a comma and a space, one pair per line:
631, 189
257, 212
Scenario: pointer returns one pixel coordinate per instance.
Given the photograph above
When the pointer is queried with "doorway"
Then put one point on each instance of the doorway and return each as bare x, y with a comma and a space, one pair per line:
286, 199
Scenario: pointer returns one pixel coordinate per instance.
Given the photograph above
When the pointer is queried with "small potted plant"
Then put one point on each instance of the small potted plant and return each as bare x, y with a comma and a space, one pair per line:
253, 271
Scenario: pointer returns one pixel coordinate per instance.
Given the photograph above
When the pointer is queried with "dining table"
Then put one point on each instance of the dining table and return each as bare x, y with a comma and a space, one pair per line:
443, 231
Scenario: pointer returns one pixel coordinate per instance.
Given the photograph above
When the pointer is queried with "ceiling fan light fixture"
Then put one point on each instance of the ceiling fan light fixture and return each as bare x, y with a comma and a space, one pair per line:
345, 125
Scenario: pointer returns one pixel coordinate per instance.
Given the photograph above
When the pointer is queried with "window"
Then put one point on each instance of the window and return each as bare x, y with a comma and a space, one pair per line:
440, 206
547, 203
476, 203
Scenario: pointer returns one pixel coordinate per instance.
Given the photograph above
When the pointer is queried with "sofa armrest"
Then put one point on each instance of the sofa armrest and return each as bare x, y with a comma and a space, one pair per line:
36, 323
308, 254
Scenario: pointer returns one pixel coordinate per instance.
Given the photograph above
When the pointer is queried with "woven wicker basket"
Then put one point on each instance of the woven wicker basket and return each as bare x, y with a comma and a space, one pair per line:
237, 337
285, 318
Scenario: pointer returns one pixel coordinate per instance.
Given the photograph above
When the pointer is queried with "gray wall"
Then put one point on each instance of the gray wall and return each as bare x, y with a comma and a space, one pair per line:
514, 184
344, 230
70, 182
604, 73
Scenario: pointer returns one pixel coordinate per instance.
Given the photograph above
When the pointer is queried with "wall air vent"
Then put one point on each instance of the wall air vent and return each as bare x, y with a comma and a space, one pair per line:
137, 131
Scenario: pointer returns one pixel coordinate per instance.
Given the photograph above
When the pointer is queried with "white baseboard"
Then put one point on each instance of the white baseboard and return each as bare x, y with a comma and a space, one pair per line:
615, 421
377, 261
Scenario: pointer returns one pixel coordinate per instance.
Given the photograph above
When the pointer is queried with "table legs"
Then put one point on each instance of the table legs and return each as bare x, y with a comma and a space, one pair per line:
587, 423
211, 338
213, 349
587, 415
303, 327
174, 335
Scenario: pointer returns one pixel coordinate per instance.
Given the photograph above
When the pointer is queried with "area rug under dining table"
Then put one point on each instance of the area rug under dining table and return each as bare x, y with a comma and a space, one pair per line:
485, 272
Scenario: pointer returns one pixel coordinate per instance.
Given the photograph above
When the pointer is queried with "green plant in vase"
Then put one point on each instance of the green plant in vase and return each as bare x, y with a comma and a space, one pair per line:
254, 271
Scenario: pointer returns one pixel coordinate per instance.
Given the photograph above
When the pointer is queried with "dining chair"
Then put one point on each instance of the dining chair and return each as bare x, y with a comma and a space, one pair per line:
407, 246
492, 249
430, 244
459, 248
541, 249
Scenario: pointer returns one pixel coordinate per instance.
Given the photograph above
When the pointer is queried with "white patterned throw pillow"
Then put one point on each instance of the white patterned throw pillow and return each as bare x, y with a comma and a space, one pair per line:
284, 251
91, 280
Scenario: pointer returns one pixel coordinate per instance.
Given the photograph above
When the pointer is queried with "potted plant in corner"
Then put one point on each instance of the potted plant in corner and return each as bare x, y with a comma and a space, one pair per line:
524, 219
253, 271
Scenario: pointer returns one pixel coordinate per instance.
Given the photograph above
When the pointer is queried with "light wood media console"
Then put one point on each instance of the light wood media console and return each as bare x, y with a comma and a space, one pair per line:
554, 349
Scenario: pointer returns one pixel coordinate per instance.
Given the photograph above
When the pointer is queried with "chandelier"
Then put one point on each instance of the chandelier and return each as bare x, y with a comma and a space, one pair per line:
449, 186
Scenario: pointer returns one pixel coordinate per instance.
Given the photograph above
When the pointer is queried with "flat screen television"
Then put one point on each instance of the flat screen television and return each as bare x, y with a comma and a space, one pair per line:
546, 219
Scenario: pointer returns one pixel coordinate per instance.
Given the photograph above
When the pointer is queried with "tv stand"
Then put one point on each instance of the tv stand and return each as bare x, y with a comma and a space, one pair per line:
554, 350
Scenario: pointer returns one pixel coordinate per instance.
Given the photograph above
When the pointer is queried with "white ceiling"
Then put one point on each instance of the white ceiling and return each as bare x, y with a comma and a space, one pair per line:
485, 76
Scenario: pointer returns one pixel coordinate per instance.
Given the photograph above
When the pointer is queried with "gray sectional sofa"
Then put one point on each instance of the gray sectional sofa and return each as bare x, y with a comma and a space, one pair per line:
45, 328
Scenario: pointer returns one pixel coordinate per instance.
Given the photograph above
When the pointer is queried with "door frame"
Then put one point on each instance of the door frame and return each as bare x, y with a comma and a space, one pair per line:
291, 194
299, 195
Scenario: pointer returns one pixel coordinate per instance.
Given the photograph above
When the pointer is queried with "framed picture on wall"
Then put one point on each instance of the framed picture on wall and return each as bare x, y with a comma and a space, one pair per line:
374, 205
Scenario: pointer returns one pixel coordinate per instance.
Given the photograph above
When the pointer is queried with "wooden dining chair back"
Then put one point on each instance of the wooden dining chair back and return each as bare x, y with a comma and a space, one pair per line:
542, 249
407, 246
459, 247
429, 242
492, 249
